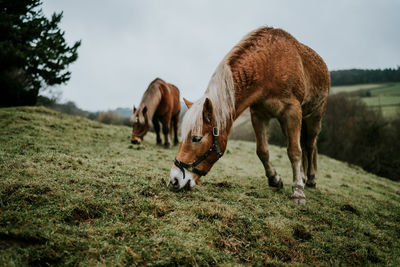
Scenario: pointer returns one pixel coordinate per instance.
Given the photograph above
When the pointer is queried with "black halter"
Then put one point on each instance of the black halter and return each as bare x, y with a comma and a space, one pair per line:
192, 167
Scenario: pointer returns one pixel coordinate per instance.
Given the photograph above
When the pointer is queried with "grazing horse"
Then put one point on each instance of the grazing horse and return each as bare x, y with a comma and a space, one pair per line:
274, 75
161, 103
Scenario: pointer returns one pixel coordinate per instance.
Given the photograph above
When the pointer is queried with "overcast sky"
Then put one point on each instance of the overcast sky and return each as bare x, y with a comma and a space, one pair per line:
126, 43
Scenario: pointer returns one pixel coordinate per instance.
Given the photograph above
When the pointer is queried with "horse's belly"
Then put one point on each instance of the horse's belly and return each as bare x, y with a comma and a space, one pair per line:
274, 107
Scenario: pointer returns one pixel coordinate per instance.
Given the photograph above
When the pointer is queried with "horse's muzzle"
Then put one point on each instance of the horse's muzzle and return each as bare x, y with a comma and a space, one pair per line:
135, 141
177, 182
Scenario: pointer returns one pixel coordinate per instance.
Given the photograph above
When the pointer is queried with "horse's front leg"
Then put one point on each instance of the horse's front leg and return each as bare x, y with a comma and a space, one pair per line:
166, 131
156, 125
175, 121
292, 125
260, 125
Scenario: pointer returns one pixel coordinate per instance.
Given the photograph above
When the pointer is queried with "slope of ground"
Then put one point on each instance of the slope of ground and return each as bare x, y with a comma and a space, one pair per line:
74, 191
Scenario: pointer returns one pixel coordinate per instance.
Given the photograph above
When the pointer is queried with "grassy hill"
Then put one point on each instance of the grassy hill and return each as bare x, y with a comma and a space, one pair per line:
74, 191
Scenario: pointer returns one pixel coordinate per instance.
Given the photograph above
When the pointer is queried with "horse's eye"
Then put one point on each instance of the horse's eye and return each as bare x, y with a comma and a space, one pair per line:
196, 139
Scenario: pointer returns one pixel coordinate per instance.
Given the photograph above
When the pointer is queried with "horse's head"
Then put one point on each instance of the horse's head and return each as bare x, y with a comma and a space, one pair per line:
140, 125
198, 151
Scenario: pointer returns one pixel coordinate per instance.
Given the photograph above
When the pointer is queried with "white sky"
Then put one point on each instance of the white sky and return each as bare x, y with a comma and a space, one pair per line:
126, 43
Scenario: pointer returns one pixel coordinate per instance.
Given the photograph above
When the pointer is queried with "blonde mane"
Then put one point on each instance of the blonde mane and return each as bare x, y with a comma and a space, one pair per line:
151, 98
222, 95
221, 89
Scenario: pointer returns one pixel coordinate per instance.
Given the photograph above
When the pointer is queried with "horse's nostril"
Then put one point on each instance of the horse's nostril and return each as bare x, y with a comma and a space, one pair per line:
135, 142
175, 183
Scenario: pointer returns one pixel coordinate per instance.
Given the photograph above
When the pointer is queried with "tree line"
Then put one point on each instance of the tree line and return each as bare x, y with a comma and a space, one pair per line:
358, 76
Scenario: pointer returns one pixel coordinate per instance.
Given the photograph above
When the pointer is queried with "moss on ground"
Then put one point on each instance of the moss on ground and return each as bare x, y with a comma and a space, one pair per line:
74, 191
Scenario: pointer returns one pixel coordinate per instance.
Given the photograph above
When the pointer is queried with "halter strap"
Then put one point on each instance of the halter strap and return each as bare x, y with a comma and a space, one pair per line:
192, 167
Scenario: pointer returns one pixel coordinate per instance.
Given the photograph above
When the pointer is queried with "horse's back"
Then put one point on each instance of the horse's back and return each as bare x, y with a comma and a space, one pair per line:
284, 68
176, 103
316, 69
169, 103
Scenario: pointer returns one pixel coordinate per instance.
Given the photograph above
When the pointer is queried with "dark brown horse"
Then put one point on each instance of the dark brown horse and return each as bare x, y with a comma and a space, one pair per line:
275, 76
161, 104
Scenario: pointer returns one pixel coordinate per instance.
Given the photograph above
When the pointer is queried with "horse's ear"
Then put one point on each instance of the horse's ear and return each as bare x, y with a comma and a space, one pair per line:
187, 102
144, 111
208, 113
134, 109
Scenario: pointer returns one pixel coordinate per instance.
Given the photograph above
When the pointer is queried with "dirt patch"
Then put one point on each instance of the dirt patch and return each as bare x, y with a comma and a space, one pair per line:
147, 192
22, 240
301, 233
223, 184
253, 194
350, 208
82, 213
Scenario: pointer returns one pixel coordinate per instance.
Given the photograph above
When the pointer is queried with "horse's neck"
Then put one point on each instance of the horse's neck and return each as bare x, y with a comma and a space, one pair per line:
242, 102
151, 101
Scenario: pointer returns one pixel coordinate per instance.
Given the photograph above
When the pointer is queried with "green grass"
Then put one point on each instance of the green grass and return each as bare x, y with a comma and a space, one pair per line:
73, 191
353, 88
386, 95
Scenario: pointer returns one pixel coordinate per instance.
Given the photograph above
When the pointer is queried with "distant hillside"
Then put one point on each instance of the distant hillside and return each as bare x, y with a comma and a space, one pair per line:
76, 192
384, 97
123, 112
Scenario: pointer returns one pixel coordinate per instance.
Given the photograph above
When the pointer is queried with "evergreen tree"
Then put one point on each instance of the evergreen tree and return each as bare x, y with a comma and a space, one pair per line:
33, 52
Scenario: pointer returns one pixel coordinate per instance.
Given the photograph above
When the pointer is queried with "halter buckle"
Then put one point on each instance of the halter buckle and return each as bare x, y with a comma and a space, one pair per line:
215, 131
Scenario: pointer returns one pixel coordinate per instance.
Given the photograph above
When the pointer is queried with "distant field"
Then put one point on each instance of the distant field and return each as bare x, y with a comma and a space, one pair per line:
353, 88
75, 192
385, 97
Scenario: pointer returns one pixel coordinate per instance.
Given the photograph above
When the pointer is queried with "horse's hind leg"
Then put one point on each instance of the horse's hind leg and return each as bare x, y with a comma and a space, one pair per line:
292, 125
313, 127
260, 125
303, 140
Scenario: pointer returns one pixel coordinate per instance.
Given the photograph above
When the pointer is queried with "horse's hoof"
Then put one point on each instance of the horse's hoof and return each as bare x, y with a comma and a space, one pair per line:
278, 185
275, 181
299, 201
176, 143
298, 196
311, 184
167, 145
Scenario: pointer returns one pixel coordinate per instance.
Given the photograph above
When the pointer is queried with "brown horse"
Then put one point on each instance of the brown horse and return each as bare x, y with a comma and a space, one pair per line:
277, 77
161, 103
